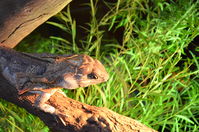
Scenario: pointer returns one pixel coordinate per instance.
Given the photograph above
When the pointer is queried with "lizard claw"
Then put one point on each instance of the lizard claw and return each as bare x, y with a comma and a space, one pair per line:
47, 108
41, 100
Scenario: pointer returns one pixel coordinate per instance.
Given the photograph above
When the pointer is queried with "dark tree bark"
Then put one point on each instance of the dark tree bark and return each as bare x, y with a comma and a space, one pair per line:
17, 19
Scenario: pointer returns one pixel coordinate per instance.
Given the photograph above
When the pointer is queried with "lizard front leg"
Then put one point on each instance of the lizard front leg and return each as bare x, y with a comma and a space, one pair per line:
43, 97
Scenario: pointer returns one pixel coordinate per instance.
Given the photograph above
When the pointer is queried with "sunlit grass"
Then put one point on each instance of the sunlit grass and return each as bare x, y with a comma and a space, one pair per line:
146, 82
15, 119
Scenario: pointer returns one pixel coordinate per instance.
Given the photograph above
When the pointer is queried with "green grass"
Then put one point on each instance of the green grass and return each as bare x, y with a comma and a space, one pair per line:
146, 82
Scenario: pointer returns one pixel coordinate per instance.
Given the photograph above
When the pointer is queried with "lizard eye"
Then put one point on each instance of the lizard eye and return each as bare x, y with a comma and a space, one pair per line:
92, 76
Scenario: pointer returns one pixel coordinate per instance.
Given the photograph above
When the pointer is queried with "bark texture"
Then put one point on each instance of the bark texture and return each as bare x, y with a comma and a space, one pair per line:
18, 18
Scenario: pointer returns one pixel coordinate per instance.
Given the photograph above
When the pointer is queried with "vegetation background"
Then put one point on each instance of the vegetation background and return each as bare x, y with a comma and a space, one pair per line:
150, 49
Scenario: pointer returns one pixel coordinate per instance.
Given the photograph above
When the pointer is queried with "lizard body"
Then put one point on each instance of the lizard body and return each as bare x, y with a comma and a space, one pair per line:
45, 74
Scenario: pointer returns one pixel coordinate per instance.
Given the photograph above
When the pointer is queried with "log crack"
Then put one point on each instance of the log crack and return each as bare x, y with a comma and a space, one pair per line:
22, 24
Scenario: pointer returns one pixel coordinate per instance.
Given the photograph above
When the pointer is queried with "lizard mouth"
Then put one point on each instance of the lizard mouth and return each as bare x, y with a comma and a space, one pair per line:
72, 84
85, 83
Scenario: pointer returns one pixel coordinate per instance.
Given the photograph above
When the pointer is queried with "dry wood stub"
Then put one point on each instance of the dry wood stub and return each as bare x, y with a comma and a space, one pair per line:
18, 18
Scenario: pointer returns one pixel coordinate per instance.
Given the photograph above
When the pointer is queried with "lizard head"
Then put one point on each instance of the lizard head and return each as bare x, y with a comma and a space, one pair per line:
87, 71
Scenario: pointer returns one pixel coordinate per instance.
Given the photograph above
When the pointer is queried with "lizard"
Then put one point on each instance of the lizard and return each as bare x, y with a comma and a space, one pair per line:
44, 74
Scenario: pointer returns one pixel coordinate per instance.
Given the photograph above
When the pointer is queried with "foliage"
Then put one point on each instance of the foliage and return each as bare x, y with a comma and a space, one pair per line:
149, 79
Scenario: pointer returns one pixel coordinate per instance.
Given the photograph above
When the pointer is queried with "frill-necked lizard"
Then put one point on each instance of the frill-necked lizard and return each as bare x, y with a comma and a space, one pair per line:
44, 74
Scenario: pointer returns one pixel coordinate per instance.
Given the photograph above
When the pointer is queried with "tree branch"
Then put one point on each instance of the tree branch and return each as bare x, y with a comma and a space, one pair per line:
18, 18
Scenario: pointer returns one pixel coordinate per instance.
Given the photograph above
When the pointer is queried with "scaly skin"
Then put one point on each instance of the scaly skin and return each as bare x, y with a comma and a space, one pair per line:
44, 74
